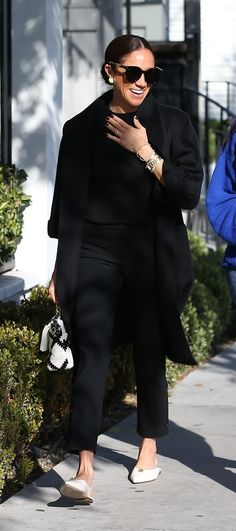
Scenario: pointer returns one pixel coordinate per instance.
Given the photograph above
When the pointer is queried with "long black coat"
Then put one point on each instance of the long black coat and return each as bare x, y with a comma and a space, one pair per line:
171, 134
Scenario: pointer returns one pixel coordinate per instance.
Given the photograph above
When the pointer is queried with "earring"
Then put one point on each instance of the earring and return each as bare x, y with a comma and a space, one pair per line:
110, 80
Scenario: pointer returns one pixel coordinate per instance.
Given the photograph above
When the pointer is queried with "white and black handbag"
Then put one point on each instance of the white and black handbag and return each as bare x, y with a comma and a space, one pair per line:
55, 341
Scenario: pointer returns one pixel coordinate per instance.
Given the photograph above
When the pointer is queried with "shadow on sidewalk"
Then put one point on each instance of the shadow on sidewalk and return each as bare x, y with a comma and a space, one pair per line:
182, 445
193, 451
188, 448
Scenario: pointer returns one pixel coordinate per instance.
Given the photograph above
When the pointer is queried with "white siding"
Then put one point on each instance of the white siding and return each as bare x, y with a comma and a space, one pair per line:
149, 21
218, 47
36, 123
37, 70
87, 31
176, 20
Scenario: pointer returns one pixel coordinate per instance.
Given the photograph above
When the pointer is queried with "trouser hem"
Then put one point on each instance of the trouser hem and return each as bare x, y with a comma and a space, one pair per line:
72, 449
153, 435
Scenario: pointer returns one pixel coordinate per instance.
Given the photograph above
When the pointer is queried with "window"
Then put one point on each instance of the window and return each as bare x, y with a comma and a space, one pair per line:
148, 18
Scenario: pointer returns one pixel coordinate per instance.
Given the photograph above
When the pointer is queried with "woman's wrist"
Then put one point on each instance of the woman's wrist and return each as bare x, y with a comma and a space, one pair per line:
153, 161
145, 152
158, 172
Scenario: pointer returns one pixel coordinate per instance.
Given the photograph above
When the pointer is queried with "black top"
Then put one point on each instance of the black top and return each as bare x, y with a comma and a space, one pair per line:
119, 186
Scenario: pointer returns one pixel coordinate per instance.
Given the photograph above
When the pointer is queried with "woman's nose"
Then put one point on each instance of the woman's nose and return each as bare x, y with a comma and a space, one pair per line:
141, 82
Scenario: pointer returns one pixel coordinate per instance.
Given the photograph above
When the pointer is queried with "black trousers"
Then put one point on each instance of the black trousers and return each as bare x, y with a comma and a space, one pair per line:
112, 255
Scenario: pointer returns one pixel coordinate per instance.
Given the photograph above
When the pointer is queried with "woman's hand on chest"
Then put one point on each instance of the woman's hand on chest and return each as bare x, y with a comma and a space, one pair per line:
127, 136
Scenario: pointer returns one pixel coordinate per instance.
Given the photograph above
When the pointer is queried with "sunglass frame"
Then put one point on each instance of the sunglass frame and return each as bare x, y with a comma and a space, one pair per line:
130, 68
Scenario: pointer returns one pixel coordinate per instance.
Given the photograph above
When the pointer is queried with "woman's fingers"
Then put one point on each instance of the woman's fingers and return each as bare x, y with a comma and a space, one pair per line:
137, 123
113, 137
113, 129
119, 124
116, 125
126, 135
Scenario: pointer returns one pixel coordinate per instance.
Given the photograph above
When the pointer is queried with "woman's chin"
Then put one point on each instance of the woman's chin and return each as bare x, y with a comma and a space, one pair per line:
136, 99
133, 103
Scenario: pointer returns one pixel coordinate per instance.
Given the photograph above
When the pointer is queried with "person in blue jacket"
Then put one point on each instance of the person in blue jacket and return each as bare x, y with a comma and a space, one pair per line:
221, 204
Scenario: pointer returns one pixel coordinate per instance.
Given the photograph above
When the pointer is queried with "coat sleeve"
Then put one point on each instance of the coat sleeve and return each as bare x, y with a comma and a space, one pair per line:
221, 194
53, 223
183, 172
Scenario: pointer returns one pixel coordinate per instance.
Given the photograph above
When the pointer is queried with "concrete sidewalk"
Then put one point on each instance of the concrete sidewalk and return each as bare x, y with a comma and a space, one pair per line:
196, 490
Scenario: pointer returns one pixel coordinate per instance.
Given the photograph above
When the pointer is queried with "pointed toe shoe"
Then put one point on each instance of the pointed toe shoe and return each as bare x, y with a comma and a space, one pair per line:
140, 475
78, 489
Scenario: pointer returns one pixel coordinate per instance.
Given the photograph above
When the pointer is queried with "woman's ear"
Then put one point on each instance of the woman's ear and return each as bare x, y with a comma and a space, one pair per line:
109, 73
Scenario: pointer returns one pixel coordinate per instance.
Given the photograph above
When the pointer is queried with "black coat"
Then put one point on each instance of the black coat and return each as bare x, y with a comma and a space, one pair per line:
171, 134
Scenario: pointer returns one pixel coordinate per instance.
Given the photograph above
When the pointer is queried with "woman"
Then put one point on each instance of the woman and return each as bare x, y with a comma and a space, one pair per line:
221, 204
126, 168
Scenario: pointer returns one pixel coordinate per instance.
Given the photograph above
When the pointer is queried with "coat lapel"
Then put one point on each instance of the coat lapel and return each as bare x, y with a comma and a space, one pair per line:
149, 114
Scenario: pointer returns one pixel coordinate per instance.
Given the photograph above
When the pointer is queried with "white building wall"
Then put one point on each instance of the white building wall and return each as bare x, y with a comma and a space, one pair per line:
87, 31
176, 20
36, 127
218, 47
37, 117
149, 21
218, 40
37, 87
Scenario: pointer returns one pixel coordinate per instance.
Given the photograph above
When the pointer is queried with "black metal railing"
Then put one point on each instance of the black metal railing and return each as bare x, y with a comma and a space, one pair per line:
214, 121
211, 120
226, 91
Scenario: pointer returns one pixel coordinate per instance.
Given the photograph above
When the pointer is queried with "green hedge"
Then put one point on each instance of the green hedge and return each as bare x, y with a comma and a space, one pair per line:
34, 403
13, 202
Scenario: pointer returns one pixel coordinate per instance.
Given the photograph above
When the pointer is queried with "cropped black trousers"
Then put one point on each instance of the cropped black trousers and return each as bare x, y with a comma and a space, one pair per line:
111, 255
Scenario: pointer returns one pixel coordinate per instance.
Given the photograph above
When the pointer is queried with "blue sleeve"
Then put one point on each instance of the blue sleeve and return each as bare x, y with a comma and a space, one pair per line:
221, 194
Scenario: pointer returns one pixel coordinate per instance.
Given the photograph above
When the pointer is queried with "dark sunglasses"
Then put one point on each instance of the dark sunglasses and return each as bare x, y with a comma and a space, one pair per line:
133, 73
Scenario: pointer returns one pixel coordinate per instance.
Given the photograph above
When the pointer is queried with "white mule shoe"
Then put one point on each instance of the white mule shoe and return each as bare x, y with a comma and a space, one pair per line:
78, 489
140, 475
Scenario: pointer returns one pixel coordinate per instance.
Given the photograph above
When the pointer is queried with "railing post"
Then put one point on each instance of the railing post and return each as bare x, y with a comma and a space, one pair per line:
221, 122
206, 146
201, 215
207, 176
128, 16
6, 82
228, 94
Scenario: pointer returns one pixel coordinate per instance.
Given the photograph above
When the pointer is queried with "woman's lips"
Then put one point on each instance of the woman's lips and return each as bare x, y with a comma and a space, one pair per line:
136, 92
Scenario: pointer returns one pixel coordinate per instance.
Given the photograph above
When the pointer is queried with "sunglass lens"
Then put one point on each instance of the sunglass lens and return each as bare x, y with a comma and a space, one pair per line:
152, 76
133, 73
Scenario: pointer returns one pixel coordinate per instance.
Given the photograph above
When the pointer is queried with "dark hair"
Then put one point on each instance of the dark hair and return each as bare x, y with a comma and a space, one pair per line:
232, 128
121, 46
230, 132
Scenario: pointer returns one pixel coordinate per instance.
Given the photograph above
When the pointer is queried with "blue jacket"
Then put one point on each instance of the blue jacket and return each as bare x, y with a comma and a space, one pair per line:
221, 200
